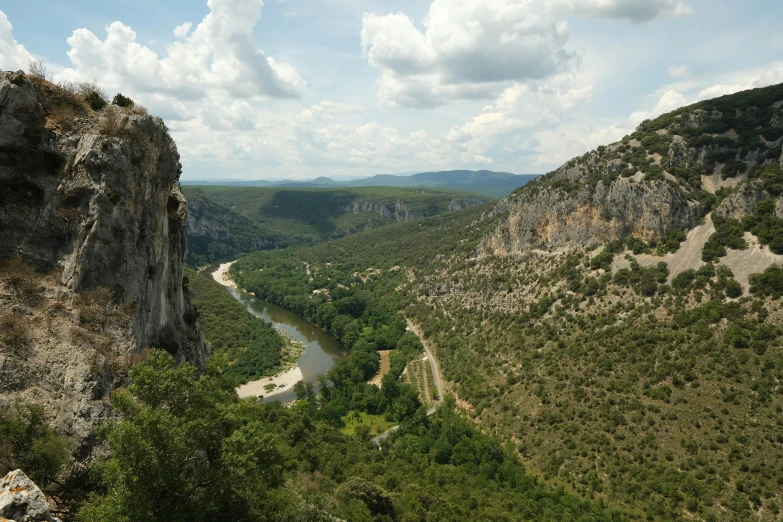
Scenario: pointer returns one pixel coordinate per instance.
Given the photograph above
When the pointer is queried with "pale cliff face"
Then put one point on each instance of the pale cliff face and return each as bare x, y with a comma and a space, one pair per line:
105, 209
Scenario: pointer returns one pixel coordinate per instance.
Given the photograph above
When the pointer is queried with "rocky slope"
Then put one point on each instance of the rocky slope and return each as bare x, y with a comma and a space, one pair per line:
89, 199
663, 178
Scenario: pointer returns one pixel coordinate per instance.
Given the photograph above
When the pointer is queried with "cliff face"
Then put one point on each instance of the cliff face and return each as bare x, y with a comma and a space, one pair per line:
90, 200
719, 154
102, 206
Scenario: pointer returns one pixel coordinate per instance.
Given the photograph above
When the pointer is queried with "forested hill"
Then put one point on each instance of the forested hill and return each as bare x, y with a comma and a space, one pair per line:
619, 321
484, 182
225, 221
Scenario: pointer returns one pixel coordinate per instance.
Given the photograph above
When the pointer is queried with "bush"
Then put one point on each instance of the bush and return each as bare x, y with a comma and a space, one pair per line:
728, 234
122, 101
26, 442
768, 283
93, 95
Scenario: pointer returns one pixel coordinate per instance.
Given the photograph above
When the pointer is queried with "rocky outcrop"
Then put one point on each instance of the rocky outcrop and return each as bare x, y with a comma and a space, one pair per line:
22, 501
99, 200
400, 213
561, 217
90, 199
664, 176
743, 202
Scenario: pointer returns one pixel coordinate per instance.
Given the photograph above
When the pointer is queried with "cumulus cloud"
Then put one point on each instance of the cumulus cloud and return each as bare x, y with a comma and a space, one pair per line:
467, 50
13, 55
668, 101
219, 54
637, 11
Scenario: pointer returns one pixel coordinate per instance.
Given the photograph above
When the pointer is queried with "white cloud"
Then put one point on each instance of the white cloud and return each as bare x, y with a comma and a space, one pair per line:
13, 55
637, 11
677, 72
772, 75
556, 146
219, 54
468, 49
181, 31
668, 101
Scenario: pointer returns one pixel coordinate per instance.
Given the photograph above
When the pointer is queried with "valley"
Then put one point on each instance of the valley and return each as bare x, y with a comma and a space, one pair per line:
603, 344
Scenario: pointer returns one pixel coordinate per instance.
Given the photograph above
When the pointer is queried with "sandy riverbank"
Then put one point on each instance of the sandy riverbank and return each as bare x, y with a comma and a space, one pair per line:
282, 381
219, 275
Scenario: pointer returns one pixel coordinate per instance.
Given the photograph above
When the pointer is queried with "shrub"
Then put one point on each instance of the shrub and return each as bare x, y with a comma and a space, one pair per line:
122, 101
728, 234
37, 70
768, 283
27, 442
63, 116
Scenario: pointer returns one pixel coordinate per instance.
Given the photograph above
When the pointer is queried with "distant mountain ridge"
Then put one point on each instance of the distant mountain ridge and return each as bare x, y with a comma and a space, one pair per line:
484, 182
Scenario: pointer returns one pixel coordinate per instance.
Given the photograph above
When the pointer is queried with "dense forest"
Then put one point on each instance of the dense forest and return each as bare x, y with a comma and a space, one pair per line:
243, 346
248, 461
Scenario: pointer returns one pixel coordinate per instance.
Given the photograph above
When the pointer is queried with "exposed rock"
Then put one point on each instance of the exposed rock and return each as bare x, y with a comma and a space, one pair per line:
105, 209
743, 202
93, 203
552, 218
22, 501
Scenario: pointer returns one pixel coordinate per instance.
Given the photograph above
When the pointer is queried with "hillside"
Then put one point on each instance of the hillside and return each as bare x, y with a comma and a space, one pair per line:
485, 182
225, 221
618, 321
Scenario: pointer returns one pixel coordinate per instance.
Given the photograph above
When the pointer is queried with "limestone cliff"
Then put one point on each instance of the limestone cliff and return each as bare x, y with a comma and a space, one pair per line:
665, 176
90, 199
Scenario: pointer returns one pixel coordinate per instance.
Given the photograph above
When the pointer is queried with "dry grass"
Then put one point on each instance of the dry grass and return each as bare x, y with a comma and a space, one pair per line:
113, 122
63, 116
13, 332
139, 109
19, 276
92, 305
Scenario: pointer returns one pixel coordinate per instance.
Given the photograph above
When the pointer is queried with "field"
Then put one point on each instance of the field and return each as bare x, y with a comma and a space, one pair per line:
375, 424
419, 375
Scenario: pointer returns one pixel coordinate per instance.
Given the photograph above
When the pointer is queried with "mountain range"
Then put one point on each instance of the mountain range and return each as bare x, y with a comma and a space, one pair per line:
484, 182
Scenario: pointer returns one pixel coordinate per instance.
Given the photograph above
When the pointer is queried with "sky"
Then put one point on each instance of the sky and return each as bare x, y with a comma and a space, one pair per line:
296, 89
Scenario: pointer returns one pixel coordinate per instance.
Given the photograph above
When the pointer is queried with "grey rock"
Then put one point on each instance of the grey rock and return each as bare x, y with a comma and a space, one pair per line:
21, 500
551, 218
105, 209
743, 202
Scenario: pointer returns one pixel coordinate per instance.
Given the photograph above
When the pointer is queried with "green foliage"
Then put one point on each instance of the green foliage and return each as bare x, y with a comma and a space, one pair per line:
186, 449
271, 218
122, 101
768, 283
95, 100
251, 347
728, 234
645, 281
765, 225
27, 442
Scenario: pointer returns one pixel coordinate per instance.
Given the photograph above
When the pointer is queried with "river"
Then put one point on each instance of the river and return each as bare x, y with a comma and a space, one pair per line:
321, 352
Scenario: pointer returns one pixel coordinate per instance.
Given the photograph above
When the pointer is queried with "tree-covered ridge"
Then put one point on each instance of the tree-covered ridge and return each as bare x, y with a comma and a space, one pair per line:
188, 449
245, 346
735, 135
242, 219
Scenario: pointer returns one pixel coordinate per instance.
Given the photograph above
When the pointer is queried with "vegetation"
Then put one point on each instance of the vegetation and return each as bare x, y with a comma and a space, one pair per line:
246, 347
27, 442
267, 218
186, 449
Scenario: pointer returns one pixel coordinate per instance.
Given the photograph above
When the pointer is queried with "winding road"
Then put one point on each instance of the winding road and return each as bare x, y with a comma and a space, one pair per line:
435, 379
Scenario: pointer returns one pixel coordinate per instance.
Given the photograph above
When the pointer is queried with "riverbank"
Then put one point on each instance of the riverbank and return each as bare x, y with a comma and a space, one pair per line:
219, 275
266, 386
271, 386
